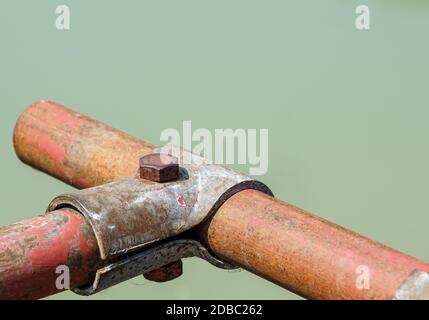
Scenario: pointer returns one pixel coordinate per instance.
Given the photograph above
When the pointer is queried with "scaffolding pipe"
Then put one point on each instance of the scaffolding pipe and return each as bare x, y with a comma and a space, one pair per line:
271, 238
33, 252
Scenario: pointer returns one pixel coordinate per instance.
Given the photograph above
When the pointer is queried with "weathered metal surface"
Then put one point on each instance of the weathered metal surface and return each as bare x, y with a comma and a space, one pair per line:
415, 287
129, 215
31, 250
146, 261
75, 148
284, 244
306, 254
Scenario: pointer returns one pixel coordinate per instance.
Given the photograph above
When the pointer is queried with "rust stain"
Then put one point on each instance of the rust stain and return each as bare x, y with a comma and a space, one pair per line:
75, 148
302, 252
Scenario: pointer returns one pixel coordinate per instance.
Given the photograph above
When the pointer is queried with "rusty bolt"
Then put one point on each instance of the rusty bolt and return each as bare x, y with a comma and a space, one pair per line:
168, 272
159, 167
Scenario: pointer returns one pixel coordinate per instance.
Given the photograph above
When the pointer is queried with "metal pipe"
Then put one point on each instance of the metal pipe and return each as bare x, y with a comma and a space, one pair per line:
304, 253
74, 148
299, 251
31, 251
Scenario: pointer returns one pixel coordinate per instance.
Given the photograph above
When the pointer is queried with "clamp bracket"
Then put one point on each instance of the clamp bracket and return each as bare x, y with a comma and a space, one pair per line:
138, 226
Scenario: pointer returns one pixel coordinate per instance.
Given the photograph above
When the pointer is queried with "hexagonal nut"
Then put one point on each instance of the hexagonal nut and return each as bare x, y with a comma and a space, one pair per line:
159, 167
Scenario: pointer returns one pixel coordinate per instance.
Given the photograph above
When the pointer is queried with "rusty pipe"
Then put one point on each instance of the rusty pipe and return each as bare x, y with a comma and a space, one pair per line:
74, 148
284, 244
304, 253
33, 249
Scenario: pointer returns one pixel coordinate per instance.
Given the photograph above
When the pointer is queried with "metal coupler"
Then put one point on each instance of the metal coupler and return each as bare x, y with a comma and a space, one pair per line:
140, 226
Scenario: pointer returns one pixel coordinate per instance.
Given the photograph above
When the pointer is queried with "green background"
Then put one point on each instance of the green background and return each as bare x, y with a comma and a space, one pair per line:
347, 110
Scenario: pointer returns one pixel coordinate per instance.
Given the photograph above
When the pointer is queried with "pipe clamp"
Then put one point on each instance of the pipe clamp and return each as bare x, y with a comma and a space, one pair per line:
140, 226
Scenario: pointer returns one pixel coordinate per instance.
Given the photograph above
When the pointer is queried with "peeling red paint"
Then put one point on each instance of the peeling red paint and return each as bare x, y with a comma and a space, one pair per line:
66, 119
181, 201
52, 149
39, 246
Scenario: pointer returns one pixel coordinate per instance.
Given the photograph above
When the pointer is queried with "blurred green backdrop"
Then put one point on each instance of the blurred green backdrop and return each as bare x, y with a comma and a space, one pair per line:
347, 110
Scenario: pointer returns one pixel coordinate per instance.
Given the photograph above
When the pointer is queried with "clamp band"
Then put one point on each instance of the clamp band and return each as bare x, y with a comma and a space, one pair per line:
133, 221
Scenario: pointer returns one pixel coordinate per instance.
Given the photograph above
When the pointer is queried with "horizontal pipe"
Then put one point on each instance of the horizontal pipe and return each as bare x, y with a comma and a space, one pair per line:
304, 253
297, 250
76, 149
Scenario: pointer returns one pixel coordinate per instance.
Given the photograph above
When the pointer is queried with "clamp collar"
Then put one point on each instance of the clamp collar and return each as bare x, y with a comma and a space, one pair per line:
135, 222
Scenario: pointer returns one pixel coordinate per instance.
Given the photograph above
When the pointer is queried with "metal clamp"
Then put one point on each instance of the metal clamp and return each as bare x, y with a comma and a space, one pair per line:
415, 287
138, 225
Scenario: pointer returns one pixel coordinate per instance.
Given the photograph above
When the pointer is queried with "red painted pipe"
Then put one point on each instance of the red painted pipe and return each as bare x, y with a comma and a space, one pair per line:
31, 251
75, 148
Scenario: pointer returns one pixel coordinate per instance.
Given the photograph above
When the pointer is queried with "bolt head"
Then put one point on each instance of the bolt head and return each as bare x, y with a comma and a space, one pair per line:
159, 167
